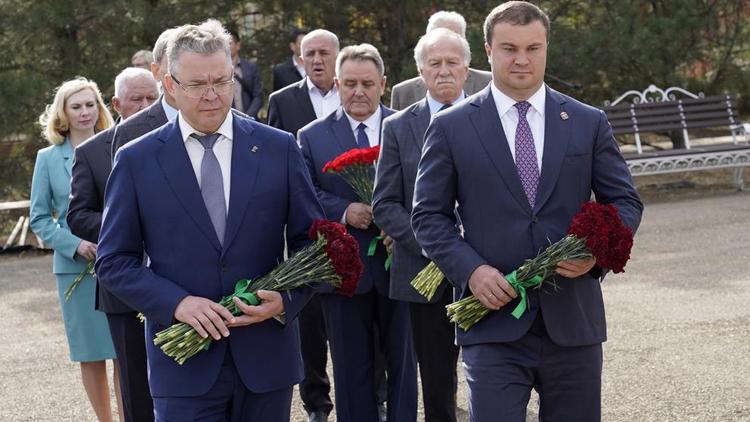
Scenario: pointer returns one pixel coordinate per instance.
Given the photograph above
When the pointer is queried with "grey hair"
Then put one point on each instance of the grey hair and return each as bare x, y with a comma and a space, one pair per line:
439, 34
128, 74
160, 46
360, 52
207, 38
445, 19
144, 54
320, 33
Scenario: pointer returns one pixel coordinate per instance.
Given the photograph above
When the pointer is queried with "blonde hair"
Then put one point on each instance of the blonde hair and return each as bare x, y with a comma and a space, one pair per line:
54, 122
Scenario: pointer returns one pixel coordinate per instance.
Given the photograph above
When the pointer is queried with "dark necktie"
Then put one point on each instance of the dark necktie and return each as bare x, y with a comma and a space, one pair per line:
362, 140
526, 164
212, 185
445, 106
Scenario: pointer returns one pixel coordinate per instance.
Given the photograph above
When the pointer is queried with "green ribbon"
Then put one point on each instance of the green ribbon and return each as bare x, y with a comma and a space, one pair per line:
241, 291
524, 303
373, 245
388, 261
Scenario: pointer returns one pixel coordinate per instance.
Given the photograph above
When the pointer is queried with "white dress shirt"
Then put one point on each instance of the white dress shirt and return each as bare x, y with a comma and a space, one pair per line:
436, 105
222, 149
323, 104
372, 131
509, 118
169, 111
373, 126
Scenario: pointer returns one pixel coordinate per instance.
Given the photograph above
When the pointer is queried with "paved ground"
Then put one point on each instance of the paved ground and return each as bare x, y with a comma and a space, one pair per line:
679, 322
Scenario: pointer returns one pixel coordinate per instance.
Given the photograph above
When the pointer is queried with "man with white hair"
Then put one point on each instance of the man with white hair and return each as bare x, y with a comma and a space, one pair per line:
412, 90
135, 89
160, 112
211, 197
442, 57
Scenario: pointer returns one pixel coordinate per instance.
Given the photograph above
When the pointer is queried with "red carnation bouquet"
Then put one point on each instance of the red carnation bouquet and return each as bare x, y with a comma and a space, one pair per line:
357, 167
332, 259
596, 231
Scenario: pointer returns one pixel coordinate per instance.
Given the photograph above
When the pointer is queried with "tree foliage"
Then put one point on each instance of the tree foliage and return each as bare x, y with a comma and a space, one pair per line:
604, 47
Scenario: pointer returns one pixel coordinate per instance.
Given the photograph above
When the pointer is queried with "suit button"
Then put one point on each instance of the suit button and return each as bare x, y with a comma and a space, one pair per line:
534, 219
223, 267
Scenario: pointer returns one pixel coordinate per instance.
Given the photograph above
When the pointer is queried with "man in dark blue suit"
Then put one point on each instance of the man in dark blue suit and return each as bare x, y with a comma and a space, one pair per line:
209, 197
520, 159
135, 89
248, 87
291, 70
442, 58
351, 323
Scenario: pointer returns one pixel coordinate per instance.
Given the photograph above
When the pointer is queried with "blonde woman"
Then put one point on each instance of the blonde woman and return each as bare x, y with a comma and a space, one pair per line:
76, 114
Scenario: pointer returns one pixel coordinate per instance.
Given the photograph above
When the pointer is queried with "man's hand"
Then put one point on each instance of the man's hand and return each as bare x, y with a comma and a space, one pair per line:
271, 304
359, 215
87, 250
491, 288
576, 267
205, 316
387, 242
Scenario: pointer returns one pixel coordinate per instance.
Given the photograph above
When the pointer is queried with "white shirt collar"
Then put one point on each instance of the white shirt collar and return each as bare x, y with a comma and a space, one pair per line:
436, 105
311, 86
372, 122
169, 111
505, 103
225, 129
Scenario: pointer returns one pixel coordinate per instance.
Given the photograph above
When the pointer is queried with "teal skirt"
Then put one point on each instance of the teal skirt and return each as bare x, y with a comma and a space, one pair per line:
85, 327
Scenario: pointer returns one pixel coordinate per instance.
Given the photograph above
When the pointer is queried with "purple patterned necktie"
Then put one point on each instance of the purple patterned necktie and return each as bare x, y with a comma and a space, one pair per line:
526, 164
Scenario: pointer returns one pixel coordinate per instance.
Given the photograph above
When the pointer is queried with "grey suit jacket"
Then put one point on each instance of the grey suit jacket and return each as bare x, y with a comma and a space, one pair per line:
400, 151
412, 90
139, 124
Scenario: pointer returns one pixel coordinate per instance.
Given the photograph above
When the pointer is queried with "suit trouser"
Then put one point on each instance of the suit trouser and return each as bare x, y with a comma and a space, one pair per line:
128, 338
501, 375
228, 400
437, 354
351, 325
314, 390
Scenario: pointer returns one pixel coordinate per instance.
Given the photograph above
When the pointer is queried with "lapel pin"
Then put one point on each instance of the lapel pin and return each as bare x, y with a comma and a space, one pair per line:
564, 115
254, 148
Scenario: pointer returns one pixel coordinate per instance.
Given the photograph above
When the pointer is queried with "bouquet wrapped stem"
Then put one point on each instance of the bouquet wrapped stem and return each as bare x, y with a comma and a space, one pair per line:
428, 280
77, 281
332, 259
596, 231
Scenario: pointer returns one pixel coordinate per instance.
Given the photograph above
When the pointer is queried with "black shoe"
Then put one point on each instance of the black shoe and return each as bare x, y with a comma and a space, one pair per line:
382, 412
318, 416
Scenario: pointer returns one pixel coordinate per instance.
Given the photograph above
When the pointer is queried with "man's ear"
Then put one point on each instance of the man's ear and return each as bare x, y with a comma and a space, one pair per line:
116, 105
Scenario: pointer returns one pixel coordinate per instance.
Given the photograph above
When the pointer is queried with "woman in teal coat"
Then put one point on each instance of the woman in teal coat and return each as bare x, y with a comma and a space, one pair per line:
76, 113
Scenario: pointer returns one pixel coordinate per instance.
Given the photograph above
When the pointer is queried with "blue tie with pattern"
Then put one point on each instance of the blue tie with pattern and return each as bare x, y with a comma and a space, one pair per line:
212, 185
362, 140
526, 164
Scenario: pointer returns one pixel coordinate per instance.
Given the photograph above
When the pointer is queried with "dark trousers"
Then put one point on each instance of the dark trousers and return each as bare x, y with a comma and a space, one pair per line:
501, 376
351, 326
437, 354
128, 338
228, 400
314, 390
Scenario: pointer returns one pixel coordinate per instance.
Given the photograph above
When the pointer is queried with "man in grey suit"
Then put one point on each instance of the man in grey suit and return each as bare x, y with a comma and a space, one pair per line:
160, 112
412, 90
442, 58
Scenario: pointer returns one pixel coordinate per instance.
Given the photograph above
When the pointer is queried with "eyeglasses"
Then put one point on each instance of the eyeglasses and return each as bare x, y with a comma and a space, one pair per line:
198, 91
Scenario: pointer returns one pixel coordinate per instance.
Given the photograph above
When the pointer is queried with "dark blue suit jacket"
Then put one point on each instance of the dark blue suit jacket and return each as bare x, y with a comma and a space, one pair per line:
466, 157
153, 203
322, 141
